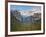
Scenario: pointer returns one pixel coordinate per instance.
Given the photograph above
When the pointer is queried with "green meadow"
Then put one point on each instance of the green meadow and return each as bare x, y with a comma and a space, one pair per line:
18, 26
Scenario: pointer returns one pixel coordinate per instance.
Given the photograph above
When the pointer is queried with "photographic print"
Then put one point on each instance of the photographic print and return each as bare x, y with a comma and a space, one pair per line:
25, 18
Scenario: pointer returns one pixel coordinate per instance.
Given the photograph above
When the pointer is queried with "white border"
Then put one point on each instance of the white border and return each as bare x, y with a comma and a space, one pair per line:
24, 32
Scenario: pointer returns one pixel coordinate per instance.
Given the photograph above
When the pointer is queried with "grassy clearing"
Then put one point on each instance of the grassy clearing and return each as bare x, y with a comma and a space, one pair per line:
17, 26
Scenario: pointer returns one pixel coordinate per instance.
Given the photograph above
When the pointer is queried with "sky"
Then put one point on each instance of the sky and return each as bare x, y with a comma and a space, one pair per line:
25, 8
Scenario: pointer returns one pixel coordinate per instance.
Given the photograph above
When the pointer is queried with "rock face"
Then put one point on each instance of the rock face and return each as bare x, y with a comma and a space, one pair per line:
27, 16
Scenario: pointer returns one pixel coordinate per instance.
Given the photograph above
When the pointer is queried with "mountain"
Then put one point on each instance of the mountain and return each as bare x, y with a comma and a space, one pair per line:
26, 16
